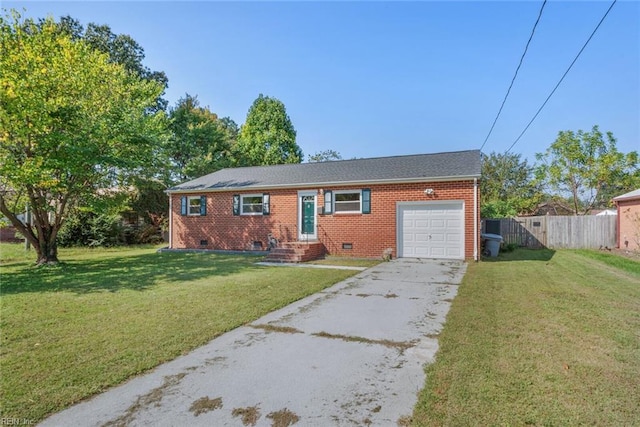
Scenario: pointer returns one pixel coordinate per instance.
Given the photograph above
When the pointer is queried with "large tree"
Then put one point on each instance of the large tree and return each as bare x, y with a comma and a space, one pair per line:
71, 121
588, 168
267, 137
200, 142
121, 48
507, 186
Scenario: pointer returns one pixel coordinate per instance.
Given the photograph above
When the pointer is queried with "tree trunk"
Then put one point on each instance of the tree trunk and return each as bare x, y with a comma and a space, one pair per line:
47, 248
43, 238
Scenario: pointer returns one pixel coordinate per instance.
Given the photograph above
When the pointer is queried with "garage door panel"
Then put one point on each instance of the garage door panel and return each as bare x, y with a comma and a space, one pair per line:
437, 223
437, 238
421, 252
431, 230
437, 252
454, 253
419, 237
453, 238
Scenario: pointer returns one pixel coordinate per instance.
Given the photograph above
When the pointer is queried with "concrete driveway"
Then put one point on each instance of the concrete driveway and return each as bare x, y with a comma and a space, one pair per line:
350, 355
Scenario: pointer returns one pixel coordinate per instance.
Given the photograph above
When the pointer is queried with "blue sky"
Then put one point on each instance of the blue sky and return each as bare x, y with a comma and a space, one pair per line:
372, 79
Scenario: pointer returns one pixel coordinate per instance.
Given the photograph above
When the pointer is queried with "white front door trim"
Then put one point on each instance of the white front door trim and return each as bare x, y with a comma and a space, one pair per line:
302, 194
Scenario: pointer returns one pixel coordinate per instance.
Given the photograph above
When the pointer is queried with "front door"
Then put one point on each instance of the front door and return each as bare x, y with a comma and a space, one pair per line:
307, 208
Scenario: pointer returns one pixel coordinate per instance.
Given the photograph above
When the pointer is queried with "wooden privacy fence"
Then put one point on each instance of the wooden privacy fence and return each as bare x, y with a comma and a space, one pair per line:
555, 232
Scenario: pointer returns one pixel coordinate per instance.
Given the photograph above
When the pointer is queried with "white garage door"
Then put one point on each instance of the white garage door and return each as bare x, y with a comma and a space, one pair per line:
431, 230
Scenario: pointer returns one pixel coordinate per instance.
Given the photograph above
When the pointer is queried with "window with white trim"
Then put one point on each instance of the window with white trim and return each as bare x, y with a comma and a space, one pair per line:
347, 201
251, 204
193, 204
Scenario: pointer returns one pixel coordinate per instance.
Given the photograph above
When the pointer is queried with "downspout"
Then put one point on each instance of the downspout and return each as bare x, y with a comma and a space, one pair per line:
617, 224
475, 219
170, 221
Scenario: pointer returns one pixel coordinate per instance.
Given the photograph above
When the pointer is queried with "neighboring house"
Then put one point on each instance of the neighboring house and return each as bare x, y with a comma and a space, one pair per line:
423, 206
8, 234
605, 212
553, 207
8, 231
628, 206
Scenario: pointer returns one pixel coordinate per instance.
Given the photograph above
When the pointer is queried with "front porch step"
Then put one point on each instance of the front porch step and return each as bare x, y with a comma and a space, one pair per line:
296, 252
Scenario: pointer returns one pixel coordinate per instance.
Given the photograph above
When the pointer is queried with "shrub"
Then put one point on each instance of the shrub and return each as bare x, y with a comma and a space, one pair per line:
83, 228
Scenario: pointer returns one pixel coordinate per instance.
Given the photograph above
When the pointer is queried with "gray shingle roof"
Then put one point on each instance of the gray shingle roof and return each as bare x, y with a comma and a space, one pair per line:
630, 195
420, 167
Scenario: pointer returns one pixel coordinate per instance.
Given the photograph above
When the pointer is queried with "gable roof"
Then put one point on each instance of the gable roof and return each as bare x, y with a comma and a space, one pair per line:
635, 194
413, 168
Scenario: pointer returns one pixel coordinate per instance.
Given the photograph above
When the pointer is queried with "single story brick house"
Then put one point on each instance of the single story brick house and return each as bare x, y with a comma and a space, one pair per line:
628, 206
419, 206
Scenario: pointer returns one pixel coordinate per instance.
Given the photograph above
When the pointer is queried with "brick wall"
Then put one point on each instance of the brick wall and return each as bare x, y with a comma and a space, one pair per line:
369, 234
8, 234
629, 224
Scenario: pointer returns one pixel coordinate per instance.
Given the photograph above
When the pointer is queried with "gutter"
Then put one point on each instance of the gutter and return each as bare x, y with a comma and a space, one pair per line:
326, 184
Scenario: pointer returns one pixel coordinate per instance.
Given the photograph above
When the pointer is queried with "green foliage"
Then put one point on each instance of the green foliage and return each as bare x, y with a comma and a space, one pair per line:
121, 48
147, 234
589, 168
200, 143
498, 209
83, 228
267, 136
324, 156
508, 247
72, 121
150, 202
507, 187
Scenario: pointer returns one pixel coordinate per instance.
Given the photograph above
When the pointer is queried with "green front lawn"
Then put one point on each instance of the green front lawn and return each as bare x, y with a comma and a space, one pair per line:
103, 316
344, 261
539, 338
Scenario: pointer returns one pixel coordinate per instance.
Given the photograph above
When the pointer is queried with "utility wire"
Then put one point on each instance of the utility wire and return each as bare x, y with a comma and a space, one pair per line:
563, 76
515, 75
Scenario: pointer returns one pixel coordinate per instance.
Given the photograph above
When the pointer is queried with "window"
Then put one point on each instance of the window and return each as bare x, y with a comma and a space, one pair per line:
347, 201
251, 204
328, 202
352, 201
193, 205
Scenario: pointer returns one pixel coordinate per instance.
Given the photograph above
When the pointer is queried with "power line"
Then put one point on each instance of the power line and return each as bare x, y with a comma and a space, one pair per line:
563, 76
515, 75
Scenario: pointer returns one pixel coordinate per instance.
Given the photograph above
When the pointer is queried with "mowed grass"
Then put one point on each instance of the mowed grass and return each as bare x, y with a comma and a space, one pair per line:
347, 261
539, 338
103, 316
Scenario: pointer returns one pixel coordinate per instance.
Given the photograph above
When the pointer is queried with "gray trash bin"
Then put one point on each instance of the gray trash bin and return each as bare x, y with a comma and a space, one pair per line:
492, 243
